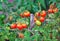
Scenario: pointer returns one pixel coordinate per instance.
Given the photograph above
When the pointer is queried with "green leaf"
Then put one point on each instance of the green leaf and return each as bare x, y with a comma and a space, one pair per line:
42, 2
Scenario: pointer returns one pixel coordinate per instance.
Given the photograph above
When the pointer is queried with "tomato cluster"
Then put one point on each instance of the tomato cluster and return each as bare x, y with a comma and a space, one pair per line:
52, 9
39, 17
19, 26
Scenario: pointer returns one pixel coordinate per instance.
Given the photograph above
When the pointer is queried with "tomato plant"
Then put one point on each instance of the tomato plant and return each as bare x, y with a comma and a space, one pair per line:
29, 20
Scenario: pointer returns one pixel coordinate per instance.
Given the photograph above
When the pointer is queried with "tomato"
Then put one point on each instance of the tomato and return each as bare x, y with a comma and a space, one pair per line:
2, 16
55, 10
19, 26
27, 14
22, 15
51, 6
50, 10
13, 26
42, 19
35, 19
24, 25
21, 35
43, 14
38, 23
37, 14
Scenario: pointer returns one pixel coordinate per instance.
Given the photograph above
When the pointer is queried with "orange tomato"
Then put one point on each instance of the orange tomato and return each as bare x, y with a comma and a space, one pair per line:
27, 14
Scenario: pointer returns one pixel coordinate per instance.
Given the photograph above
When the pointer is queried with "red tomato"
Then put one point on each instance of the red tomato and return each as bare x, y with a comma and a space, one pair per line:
27, 14
42, 19
55, 10
37, 14
13, 26
24, 25
19, 26
43, 14
50, 10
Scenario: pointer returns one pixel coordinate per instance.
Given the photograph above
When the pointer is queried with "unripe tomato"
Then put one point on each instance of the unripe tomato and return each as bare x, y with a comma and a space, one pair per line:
55, 10
37, 14
50, 10
38, 23
42, 19
8, 28
27, 14
21, 35
13, 26
43, 14
19, 26
24, 25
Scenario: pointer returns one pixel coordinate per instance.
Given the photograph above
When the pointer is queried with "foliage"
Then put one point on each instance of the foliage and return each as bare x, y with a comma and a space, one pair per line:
10, 11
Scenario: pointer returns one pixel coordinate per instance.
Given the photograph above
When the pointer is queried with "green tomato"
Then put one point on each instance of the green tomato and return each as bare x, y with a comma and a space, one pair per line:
8, 28
2, 16
38, 23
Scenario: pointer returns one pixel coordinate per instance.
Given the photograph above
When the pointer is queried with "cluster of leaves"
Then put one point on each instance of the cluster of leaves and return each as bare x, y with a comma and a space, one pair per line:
9, 13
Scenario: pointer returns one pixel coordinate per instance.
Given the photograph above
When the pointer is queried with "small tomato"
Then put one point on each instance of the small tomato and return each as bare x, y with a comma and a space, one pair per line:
13, 26
42, 19
43, 14
19, 26
38, 23
24, 25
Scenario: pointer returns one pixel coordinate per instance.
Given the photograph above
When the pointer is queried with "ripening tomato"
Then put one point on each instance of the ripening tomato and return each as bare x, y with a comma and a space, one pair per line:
21, 35
42, 19
55, 10
13, 26
22, 15
19, 26
27, 14
37, 14
38, 23
50, 10
35, 19
43, 14
51, 6
24, 25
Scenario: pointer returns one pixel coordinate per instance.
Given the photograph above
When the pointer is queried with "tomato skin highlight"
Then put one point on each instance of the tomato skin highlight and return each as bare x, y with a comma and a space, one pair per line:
19, 26
24, 25
43, 14
42, 19
13, 26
